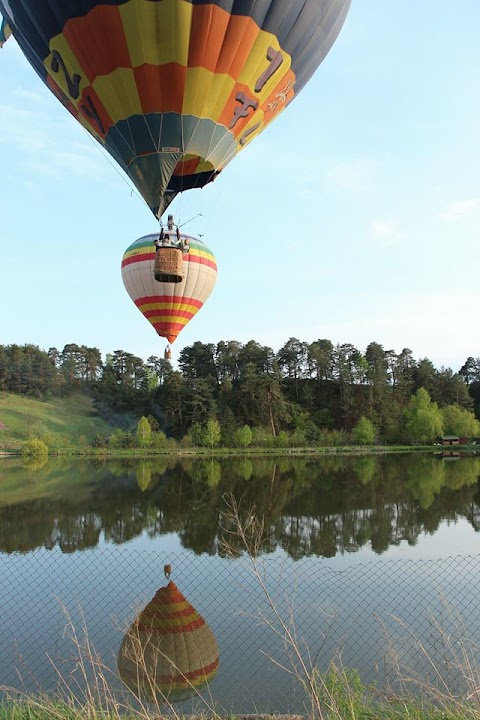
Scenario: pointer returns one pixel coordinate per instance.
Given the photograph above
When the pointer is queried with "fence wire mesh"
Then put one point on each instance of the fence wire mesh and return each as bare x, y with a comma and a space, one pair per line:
419, 617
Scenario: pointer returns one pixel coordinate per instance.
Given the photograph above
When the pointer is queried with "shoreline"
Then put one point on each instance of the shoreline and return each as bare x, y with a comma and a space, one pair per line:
225, 453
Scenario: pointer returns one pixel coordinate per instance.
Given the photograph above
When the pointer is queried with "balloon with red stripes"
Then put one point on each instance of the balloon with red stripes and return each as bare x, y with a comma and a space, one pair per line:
169, 653
168, 307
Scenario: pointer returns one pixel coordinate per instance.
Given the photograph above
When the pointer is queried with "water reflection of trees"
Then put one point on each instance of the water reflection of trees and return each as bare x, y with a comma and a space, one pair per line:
310, 506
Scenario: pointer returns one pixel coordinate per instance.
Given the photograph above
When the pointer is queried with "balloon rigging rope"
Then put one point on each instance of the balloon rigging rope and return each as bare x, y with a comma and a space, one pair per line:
120, 173
226, 157
155, 143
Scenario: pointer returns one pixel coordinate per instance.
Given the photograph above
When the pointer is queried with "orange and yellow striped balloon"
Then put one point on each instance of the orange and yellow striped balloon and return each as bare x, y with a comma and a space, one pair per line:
175, 89
168, 306
169, 653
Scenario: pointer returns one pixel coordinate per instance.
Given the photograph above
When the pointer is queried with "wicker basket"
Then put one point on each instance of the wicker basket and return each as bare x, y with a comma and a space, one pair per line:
168, 265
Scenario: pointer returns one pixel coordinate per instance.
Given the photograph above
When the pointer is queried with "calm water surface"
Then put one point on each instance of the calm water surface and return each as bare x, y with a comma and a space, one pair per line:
363, 552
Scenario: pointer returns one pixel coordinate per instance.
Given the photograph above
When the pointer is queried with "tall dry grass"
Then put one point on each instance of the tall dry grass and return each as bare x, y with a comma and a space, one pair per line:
96, 692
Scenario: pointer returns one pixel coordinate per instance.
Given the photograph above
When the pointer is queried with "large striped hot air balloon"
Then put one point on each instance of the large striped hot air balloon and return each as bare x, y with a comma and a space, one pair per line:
169, 652
174, 89
168, 306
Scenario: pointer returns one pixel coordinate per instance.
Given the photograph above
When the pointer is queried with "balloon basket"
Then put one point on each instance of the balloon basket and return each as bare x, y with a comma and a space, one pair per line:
168, 265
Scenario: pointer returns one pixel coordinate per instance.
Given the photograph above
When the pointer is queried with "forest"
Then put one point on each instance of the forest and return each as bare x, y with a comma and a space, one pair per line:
236, 393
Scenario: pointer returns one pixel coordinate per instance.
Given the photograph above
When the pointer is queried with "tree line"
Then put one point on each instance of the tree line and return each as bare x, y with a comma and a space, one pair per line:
306, 393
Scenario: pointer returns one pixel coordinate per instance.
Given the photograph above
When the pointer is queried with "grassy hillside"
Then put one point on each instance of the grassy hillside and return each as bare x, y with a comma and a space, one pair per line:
60, 423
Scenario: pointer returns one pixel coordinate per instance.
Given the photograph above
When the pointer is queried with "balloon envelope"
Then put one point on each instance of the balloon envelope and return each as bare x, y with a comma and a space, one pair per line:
174, 89
168, 306
169, 652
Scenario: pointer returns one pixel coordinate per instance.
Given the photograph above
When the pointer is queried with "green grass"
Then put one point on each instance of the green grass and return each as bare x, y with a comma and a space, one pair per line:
60, 422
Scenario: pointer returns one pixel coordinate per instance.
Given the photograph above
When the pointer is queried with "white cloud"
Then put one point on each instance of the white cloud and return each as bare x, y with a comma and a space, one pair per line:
458, 210
25, 129
355, 176
46, 145
29, 95
386, 233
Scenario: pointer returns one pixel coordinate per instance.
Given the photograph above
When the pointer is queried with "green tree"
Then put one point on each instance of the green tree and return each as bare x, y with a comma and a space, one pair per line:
260, 401
424, 375
292, 361
261, 357
198, 362
212, 433
226, 358
364, 432
402, 368
424, 421
459, 421
320, 359
378, 382
159, 439
196, 434
200, 400
243, 436
117, 438
470, 370
171, 397
349, 368
160, 367
282, 439
451, 389
144, 433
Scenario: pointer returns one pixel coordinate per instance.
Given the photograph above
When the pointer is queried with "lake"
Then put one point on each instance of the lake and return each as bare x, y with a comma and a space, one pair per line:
373, 557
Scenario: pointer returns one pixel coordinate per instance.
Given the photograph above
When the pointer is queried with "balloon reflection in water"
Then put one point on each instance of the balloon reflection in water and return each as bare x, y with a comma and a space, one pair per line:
169, 653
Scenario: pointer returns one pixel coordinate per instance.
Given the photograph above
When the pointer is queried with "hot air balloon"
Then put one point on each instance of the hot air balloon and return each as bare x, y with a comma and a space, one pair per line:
174, 89
168, 306
169, 652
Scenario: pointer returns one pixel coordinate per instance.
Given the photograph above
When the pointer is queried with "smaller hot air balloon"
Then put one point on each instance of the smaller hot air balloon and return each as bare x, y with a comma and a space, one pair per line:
169, 653
169, 306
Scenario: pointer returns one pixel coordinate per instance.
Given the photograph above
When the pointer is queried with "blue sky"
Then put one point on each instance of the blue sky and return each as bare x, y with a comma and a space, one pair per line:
355, 216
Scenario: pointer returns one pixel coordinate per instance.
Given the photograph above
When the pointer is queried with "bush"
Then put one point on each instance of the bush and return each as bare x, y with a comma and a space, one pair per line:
298, 439
117, 438
282, 439
99, 441
196, 434
34, 448
243, 436
159, 439
262, 437
364, 432
332, 438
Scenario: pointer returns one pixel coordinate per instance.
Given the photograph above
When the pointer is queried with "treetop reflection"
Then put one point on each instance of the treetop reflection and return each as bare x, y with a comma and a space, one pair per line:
311, 506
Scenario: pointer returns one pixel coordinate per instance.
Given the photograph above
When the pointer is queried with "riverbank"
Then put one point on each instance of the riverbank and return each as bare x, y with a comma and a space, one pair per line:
341, 703
193, 452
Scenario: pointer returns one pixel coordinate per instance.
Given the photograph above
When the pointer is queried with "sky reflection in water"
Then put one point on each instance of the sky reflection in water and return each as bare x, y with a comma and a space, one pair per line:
91, 539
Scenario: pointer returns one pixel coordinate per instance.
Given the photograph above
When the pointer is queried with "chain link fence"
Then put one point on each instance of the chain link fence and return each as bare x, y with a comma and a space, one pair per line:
254, 618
